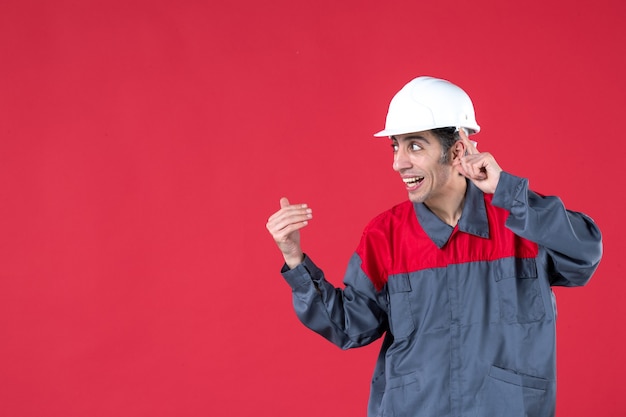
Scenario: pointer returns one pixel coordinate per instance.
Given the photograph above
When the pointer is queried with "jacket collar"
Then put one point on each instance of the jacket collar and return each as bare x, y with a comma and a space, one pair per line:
473, 218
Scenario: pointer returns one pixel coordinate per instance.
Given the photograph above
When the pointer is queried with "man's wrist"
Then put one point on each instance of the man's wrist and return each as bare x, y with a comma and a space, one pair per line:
293, 261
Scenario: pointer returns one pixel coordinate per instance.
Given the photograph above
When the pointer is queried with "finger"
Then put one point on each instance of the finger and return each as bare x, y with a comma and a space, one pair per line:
284, 203
469, 145
458, 164
293, 216
287, 207
473, 165
283, 234
466, 167
463, 166
287, 216
469, 165
287, 235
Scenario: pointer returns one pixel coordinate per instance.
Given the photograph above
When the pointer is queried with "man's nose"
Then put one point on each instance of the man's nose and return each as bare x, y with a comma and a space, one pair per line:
401, 161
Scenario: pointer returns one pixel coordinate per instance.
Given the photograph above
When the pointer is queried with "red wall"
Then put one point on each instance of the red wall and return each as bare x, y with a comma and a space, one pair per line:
143, 144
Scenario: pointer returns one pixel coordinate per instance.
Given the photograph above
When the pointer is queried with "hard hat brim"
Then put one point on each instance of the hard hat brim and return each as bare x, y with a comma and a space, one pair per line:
393, 132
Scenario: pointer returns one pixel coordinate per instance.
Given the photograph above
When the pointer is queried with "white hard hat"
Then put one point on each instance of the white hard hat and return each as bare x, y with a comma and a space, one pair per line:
428, 103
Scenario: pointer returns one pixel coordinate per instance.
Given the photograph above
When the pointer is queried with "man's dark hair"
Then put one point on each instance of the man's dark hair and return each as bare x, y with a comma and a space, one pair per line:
447, 136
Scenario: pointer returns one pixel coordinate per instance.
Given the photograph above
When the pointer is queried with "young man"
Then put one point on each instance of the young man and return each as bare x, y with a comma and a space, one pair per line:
457, 279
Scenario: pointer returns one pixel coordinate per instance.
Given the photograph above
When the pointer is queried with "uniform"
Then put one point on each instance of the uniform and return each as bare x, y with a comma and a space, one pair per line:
467, 312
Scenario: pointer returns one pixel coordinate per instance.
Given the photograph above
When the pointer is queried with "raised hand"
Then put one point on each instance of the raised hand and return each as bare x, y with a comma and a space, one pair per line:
285, 225
480, 167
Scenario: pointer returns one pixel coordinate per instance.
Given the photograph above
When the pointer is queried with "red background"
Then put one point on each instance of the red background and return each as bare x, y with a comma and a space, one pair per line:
143, 144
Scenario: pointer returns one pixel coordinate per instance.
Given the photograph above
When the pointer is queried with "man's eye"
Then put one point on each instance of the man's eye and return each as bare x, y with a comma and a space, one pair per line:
394, 146
415, 147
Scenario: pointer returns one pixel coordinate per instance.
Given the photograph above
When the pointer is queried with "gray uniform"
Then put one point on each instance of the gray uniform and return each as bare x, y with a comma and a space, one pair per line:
467, 312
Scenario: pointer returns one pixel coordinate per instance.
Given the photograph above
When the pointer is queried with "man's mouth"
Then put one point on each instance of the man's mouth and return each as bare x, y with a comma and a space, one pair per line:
412, 181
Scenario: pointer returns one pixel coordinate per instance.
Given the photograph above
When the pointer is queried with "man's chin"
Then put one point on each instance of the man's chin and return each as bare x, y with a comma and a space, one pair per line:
416, 198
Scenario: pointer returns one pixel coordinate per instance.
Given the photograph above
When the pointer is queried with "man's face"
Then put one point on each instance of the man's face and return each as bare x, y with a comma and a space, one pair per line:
418, 158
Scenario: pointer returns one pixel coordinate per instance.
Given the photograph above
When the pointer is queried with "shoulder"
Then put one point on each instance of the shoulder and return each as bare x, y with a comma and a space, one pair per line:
377, 242
393, 217
385, 228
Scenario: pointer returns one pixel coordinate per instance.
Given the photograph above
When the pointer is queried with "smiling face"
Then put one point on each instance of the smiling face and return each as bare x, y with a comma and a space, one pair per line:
428, 175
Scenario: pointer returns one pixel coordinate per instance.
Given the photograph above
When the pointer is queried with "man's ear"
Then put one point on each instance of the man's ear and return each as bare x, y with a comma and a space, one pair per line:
458, 150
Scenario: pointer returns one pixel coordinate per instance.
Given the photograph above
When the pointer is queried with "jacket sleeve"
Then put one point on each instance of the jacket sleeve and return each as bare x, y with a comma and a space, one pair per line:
350, 317
572, 240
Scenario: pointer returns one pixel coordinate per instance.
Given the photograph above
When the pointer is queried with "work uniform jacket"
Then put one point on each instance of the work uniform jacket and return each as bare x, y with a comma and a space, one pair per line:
467, 312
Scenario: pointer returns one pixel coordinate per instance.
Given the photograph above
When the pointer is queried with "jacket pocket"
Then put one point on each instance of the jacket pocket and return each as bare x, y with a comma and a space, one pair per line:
402, 396
401, 319
509, 393
519, 291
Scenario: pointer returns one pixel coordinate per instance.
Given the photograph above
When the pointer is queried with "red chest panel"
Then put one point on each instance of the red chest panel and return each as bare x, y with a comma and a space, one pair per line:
395, 243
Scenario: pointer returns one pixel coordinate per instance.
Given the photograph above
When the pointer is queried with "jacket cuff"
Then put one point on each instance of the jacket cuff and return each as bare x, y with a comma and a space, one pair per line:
509, 187
302, 274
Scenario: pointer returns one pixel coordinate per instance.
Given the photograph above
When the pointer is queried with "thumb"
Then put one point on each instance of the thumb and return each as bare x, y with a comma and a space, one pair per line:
284, 202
